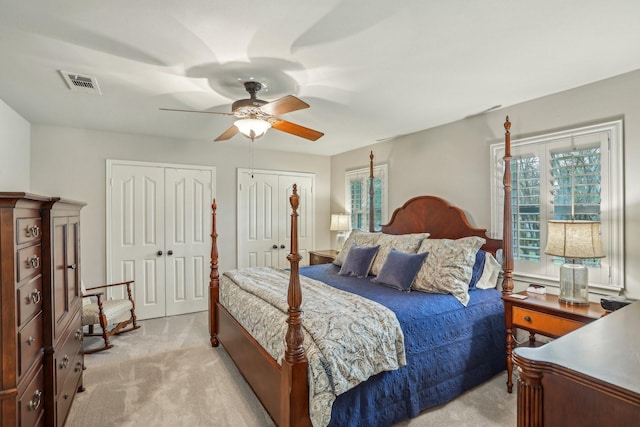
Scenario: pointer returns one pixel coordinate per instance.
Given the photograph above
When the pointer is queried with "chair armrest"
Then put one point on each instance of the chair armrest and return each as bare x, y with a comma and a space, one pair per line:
110, 285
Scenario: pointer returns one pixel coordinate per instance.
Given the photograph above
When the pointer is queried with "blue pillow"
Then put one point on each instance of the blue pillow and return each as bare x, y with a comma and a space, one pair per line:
359, 261
478, 268
400, 269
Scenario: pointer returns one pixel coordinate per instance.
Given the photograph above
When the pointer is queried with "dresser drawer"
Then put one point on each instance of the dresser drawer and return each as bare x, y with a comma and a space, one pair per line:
28, 230
29, 300
30, 343
29, 262
31, 401
546, 324
68, 355
67, 393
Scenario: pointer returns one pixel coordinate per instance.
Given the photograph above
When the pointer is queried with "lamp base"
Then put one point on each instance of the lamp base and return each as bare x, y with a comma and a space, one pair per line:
340, 239
574, 284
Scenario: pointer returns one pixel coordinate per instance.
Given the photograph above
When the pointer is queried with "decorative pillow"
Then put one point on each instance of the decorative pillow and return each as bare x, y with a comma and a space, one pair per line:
449, 267
360, 238
359, 260
478, 269
490, 273
400, 269
407, 243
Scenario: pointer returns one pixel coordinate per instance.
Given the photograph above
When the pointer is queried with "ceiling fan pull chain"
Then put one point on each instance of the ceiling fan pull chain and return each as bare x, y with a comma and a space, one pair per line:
251, 157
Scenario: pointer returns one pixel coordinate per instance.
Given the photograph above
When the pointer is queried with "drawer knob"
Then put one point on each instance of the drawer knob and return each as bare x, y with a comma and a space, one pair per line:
527, 319
31, 340
78, 367
78, 335
65, 362
35, 402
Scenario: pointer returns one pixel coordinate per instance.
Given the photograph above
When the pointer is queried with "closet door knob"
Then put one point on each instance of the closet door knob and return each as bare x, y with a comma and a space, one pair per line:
159, 253
275, 246
281, 246
170, 252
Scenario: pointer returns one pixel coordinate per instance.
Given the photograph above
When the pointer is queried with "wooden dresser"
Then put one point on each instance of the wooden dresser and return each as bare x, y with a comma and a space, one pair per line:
589, 377
27, 306
322, 257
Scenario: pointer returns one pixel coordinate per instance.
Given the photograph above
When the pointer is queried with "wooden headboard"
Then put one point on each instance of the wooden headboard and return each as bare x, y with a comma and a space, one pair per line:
438, 217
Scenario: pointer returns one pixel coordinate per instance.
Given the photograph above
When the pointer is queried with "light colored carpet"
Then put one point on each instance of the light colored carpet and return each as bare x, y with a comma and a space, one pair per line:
167, 374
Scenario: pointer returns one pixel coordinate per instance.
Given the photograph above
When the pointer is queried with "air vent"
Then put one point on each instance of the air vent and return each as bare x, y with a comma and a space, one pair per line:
80, 83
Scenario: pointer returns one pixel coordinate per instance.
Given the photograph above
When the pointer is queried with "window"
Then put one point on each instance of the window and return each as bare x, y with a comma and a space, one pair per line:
575, 174
357, 184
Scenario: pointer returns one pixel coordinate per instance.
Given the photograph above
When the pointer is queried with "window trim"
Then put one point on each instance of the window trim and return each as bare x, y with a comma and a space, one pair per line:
612, 219
379, 171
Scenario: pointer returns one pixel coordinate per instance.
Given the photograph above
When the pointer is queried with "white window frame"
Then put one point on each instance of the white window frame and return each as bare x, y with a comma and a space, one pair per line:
610, 277
379, 171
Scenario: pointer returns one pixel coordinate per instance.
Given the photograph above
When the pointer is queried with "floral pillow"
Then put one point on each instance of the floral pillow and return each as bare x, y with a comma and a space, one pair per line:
407, 243
449, 266
360, 238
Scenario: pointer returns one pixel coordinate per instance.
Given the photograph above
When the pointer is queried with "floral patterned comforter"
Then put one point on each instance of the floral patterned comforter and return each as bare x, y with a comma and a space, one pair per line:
347, 338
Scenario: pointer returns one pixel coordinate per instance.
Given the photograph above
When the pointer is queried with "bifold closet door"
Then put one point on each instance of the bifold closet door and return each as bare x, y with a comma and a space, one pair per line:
264, 217
160, 236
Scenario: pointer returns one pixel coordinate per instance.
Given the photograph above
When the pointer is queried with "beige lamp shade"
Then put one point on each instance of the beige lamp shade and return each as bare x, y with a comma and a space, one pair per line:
574, 239
340, 222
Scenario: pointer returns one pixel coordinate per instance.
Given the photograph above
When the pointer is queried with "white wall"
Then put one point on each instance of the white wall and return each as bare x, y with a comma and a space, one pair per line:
71, 163
452, 161
15, 143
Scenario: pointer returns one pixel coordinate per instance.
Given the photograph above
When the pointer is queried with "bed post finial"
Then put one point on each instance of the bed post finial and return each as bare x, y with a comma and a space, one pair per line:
214, 279
507, 230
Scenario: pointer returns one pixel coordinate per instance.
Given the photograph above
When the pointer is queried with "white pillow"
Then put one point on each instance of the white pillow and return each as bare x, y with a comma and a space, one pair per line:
407, 243
360, 238
490, 273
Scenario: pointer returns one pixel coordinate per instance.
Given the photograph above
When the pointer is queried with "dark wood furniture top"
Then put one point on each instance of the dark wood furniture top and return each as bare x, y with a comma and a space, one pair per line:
544, 315
283, 389
322, 257
589, 377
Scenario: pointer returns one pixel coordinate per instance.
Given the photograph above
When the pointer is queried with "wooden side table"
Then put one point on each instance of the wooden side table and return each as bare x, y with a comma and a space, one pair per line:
322, 257
544, 315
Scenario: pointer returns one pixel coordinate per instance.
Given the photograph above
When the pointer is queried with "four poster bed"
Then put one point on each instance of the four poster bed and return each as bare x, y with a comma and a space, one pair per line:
398, 353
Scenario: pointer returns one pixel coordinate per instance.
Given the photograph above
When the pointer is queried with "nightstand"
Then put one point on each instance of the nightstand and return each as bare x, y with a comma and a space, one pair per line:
322, 257
544, 315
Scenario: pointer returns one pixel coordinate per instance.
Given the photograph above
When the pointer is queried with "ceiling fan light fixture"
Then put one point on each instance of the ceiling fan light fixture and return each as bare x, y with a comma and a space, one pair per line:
252, 128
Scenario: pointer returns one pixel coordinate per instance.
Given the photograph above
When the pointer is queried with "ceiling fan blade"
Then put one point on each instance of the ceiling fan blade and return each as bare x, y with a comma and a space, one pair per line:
284, 105
196, 111
227, 134
297, 130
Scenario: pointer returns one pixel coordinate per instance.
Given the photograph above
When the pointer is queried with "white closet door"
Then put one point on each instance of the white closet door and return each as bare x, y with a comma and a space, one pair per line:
160, 235
258, 236
137, 235
188, 239
264, 217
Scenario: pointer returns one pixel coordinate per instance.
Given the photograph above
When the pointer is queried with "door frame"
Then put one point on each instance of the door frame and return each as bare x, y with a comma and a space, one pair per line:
108, 181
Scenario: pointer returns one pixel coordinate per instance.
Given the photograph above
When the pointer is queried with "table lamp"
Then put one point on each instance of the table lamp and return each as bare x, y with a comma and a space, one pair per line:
341, 224
574, 240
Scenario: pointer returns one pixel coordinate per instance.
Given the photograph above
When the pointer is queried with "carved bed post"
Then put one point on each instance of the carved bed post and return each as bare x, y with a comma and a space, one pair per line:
371, 195
294, 385
507, 230
214, 280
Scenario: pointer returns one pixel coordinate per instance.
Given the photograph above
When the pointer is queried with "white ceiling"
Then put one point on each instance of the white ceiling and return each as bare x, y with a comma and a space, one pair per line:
370, 69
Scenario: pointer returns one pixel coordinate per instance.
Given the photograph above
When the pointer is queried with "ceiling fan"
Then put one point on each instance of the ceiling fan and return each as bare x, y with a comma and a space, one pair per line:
255, 116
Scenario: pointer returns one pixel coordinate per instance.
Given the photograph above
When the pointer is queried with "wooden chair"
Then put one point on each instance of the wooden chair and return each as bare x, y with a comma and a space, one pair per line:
117, 312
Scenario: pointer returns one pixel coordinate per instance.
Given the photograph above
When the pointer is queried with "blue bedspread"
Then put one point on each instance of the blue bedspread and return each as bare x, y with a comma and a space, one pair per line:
450, 349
